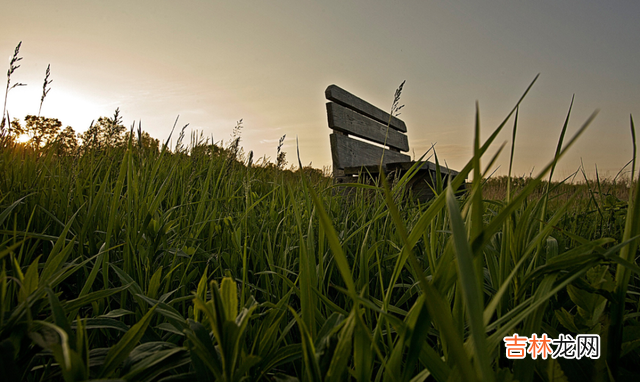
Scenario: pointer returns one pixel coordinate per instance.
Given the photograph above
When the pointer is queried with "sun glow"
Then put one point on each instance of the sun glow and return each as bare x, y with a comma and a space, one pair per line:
23, 138
72, 108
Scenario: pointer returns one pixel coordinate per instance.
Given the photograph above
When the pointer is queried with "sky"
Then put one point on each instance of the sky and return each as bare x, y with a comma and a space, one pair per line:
267, 63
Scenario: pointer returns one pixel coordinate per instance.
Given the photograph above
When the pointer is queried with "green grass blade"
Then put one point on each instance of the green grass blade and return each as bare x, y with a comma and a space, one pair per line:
127, 343
308, 351
623, 275
470, 286
334, 242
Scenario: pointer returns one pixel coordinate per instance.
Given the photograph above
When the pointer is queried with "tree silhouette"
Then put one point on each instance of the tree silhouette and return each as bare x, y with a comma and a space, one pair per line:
66, 142
43, 131
107, 132
16, 129
143, 140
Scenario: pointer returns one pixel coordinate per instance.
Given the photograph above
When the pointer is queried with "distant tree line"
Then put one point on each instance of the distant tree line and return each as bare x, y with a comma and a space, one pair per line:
103, 134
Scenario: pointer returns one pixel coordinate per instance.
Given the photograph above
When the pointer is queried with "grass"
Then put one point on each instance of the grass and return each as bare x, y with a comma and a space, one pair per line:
141, 265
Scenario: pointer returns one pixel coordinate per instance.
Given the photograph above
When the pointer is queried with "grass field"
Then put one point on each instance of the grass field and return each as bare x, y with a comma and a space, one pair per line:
139, 264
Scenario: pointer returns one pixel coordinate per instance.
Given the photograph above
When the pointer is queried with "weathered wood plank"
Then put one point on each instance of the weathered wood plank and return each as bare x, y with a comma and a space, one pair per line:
348, 121
336, 94
374, 170
425, 165
349, 152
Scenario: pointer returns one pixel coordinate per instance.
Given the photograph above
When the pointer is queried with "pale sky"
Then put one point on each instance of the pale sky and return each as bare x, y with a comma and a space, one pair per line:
269, 62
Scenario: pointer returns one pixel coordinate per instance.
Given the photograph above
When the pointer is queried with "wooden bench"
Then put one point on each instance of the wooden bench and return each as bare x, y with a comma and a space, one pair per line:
379, 132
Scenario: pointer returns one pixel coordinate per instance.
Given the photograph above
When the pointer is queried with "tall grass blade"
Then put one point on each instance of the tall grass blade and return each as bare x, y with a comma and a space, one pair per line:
127, 343
471, 288
623, 274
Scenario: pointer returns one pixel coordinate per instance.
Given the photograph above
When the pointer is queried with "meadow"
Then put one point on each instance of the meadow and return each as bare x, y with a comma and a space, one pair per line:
190, 262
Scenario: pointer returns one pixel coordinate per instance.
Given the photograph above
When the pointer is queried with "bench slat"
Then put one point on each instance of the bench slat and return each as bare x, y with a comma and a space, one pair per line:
348, 121
344, 98
349, 152
425, 165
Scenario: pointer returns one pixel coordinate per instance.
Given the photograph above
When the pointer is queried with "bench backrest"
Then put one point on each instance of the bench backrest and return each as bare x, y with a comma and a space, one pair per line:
350, 115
